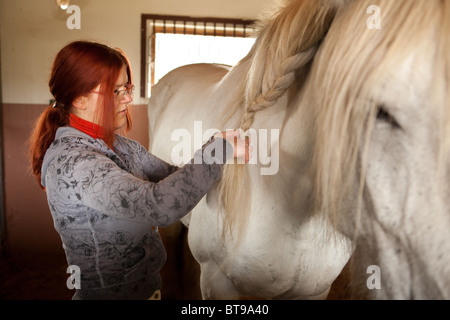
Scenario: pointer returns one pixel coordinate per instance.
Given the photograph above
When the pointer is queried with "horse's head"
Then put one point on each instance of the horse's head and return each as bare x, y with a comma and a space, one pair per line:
382, 99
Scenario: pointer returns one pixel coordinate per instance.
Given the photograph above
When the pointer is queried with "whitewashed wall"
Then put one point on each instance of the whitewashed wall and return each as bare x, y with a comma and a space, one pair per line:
32, 32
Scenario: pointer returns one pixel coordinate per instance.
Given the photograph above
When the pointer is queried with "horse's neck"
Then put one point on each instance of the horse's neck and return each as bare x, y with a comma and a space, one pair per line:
291, 121
286, 126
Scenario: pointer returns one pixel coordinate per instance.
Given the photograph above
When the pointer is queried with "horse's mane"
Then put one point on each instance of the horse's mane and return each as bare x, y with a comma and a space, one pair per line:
285, 44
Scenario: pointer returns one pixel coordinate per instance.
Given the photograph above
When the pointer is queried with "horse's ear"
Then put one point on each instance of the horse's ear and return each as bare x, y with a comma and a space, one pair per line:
285, 44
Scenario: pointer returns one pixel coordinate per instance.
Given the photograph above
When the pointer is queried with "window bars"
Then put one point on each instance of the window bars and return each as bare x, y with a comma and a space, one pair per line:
153, 24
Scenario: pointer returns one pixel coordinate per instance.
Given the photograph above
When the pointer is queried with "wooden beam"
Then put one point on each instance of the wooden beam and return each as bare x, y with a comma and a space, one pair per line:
2, 174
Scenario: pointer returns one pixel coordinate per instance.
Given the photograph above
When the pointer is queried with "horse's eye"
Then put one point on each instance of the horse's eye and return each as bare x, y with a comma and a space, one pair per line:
383, 115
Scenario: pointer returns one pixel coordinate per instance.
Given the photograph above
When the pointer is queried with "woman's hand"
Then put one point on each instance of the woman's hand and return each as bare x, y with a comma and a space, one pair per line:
241, 147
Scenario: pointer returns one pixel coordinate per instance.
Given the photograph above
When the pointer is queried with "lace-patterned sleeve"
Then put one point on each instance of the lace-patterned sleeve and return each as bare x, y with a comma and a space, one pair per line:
155, 168
97, 182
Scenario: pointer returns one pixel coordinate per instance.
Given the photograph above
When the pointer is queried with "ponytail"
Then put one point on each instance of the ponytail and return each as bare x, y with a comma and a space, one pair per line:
43, 135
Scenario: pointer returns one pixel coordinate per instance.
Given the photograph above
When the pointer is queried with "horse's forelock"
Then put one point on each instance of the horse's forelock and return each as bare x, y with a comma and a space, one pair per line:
442, 84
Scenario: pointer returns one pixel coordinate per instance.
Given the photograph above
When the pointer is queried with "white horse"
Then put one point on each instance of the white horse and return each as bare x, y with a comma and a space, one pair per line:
358, 118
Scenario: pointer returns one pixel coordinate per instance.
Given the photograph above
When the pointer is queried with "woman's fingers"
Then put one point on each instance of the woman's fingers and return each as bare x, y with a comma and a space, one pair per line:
241, 146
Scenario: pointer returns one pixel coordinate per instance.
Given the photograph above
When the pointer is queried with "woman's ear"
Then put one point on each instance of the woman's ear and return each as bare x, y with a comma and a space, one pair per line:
80, 103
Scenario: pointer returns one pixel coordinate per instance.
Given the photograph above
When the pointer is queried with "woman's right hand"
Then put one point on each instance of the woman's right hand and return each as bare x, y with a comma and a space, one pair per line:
241, 147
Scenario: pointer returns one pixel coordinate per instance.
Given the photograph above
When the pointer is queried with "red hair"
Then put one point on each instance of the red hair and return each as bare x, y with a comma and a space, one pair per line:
77, 69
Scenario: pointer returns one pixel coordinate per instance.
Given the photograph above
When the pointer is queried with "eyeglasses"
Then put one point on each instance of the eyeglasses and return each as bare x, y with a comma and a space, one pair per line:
119, 94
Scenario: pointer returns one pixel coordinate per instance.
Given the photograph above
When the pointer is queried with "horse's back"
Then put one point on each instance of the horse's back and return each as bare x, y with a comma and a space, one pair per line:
179, 99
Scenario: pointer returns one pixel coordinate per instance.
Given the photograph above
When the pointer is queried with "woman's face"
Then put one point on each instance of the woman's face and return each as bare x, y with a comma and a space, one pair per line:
122, 98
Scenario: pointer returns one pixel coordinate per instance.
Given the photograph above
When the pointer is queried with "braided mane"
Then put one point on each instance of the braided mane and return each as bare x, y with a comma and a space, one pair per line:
285, 45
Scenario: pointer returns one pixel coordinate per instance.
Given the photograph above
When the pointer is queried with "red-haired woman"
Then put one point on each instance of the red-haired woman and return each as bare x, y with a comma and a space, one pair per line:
106, 193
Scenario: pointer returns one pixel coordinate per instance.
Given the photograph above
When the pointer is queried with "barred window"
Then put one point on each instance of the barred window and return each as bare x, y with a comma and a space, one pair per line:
168, 42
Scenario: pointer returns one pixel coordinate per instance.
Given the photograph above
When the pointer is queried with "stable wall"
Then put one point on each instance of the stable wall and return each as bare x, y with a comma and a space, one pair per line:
32, 32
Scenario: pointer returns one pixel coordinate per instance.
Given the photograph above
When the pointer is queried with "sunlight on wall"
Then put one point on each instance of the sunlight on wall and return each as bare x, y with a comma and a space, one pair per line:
175, 50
